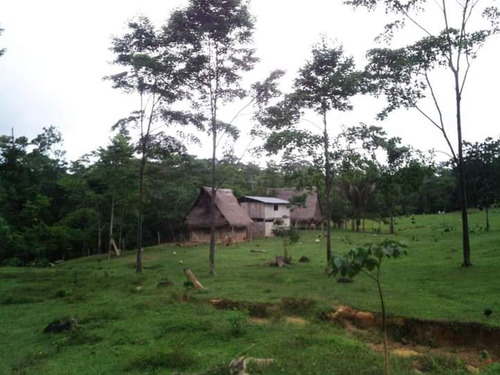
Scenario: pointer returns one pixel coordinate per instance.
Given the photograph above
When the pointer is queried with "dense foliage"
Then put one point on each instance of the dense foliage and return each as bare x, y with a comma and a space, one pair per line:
51, 209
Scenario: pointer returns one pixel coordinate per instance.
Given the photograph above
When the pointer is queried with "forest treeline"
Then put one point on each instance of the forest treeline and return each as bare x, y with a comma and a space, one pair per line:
52, 209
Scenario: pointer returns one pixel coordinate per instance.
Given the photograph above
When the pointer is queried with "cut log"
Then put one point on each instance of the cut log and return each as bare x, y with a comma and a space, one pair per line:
257, 250
191, 277
239, 365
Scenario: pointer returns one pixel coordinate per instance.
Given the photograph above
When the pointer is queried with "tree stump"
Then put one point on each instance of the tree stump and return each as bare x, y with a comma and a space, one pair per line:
279, 261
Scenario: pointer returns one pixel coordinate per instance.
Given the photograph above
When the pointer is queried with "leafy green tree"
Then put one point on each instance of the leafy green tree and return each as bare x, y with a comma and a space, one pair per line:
215, 38
114, 169
324, 84
29, 193
152, 70
482, 166
368, 259
358, 194
404, 75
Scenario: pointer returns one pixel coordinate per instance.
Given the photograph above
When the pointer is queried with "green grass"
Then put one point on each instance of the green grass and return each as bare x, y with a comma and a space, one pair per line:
127, 324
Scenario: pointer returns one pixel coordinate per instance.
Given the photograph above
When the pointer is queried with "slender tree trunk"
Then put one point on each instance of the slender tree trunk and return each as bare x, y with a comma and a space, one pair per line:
391, 224
120, 235
461, 170
212, 202
144, 157
487, 219
138, 262
285, 247
99, 247
328, 190
111, 224
158, 236
384, 326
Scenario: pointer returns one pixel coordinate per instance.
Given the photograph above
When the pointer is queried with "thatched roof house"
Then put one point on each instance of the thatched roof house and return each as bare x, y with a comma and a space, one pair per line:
232, 222
306, 215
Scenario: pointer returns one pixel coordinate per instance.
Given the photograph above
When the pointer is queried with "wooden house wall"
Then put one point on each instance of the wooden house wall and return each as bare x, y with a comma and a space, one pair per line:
271, 214
221, 234
262, 211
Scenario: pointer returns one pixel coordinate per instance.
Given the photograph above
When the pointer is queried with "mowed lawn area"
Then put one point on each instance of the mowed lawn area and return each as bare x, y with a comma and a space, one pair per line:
128, 324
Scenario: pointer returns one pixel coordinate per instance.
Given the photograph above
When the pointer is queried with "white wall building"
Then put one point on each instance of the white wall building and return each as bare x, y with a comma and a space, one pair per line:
264, 211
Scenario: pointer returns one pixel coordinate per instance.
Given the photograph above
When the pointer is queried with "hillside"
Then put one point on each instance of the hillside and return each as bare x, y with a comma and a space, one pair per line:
127, 323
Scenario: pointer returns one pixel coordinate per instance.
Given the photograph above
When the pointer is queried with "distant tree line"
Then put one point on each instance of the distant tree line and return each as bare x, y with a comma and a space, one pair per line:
51, 209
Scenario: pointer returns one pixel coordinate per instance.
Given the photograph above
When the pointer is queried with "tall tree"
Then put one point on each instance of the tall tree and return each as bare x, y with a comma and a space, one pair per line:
115, 168
325, 83
369, 140
152, 70
215, 37
404, 75
29, 194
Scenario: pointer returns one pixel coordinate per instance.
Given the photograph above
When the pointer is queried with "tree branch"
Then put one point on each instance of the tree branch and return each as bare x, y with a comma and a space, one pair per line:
434, 98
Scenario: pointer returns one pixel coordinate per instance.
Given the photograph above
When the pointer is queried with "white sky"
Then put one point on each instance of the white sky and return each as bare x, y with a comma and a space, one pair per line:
58, 52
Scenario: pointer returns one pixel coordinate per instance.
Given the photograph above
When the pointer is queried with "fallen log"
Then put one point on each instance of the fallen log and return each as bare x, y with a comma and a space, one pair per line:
257, 250
191, 277
239, 365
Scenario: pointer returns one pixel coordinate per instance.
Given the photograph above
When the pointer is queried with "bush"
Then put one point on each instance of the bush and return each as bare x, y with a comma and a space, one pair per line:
12, 262
236, 323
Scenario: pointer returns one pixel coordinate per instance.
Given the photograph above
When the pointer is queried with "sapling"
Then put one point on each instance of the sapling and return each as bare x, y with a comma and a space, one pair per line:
368, 260
288, 233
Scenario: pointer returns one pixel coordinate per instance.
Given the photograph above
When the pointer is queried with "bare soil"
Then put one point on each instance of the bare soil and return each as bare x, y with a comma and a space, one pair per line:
476, 344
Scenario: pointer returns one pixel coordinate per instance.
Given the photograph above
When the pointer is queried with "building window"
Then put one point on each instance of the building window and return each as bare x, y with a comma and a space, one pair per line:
275, 207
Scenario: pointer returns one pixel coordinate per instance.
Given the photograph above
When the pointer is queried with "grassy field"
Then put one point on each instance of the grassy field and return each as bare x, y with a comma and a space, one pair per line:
127, 324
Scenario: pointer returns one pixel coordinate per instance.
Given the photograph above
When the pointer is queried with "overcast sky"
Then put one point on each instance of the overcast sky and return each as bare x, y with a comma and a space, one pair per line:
58, 52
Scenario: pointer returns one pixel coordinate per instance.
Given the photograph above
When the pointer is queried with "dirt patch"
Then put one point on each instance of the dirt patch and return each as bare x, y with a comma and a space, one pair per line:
405, 353
255, 310
296, 320
227, 304
297, 306
260, 321
473, 342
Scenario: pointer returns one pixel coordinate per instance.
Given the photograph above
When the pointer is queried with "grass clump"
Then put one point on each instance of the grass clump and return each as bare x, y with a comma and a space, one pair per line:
176, 359
236, 323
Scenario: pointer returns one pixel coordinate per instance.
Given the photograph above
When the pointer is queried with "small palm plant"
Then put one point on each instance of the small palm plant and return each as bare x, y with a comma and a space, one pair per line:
368, 259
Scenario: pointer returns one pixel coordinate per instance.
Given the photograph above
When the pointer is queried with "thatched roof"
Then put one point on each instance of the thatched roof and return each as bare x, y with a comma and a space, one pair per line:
309, 212
227, 210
